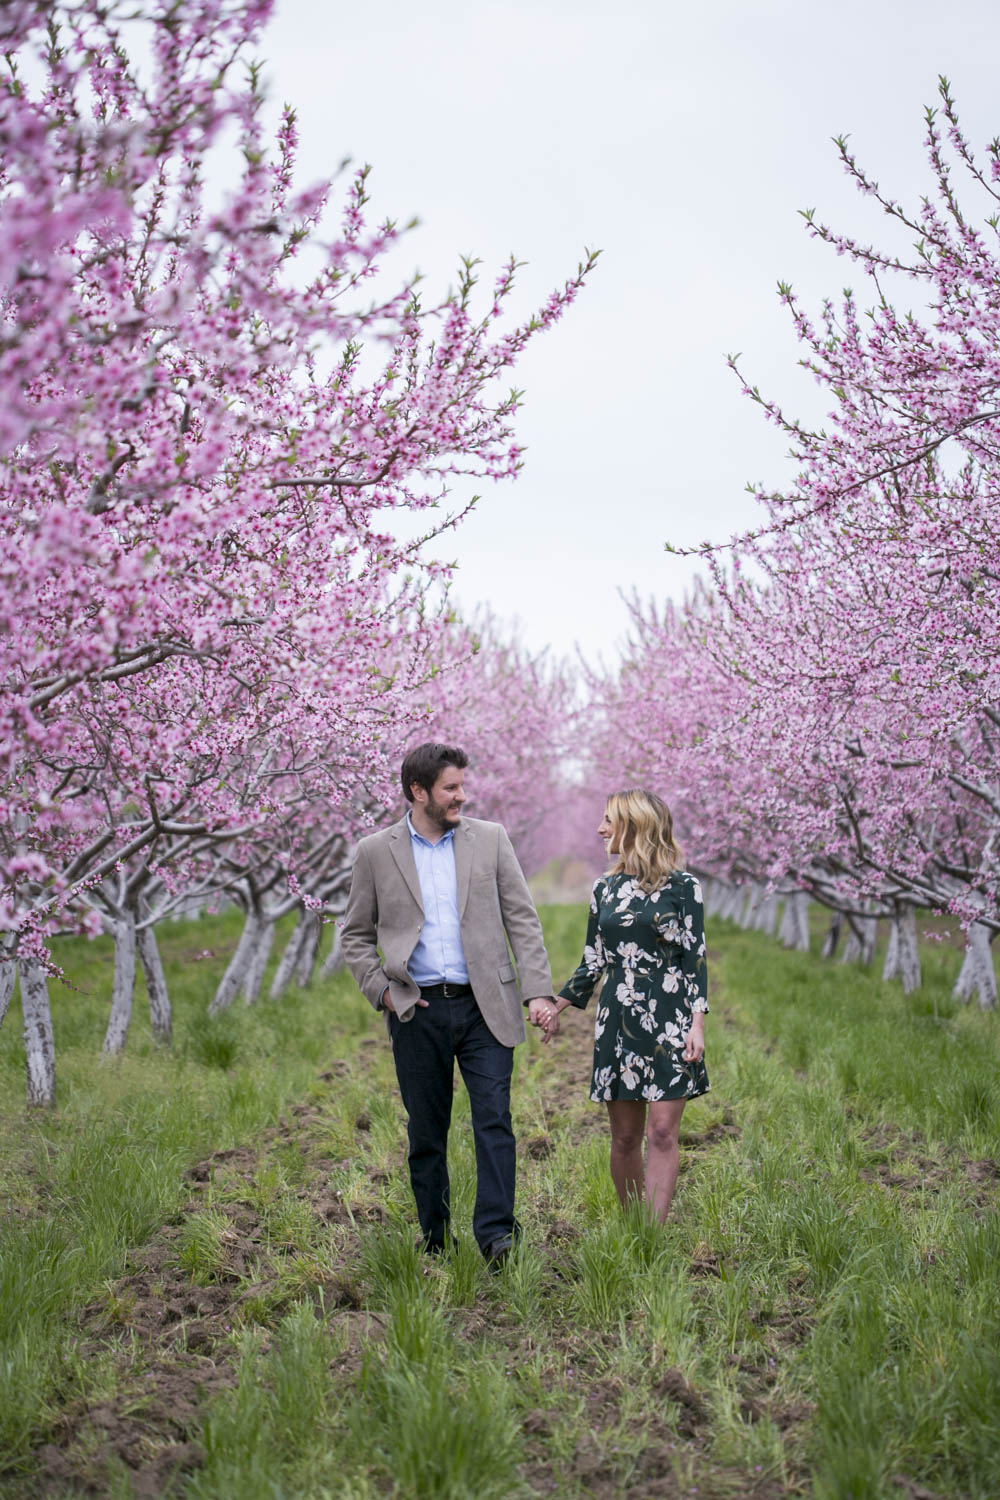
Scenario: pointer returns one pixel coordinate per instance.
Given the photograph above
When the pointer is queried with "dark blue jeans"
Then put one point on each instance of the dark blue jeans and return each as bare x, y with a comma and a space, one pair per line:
425, 1050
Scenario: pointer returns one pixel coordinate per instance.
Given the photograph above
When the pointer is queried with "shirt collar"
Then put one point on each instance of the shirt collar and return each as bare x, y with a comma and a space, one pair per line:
450, 834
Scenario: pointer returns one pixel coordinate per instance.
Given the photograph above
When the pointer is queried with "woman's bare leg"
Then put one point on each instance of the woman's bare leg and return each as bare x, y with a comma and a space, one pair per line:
627, 1118
662, 1129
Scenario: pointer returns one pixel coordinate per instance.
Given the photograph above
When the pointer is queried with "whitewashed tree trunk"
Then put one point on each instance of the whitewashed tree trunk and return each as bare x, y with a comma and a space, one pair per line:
253, 979
305, 963
160, 1015
862, 933
832, 938
237, 967
786, 927
766, 919
890, 965
737, 901
39, 1045
288, 962
753, 895
124, 985
8, 974
794, 931
977, 975
334, 961
723, 897
902, 959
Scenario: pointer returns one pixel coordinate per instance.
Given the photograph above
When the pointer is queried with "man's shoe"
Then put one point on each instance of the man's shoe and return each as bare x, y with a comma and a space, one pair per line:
439, 1247
499, 1251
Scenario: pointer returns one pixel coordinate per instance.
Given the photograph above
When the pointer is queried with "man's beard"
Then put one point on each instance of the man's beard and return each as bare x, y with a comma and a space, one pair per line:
437, 812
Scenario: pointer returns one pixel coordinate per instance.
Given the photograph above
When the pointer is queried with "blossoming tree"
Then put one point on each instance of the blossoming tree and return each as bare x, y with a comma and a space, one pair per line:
206, 407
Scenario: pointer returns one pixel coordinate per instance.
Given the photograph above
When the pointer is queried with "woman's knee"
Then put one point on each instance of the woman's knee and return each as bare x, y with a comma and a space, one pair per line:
661, 1135
626, 1139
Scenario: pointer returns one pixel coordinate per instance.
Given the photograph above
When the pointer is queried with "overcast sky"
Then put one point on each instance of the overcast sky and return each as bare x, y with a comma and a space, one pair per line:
682, 141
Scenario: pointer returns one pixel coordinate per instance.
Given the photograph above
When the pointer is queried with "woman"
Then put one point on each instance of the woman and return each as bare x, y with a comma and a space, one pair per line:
646, 933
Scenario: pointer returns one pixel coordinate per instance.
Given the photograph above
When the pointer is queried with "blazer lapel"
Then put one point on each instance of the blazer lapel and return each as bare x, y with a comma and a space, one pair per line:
402, 853
465, 848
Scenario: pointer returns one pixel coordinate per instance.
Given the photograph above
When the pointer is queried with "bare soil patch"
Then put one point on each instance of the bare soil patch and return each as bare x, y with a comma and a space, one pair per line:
902, 1160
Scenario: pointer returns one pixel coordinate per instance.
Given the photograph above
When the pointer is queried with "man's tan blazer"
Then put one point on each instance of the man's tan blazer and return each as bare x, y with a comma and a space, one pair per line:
384, 912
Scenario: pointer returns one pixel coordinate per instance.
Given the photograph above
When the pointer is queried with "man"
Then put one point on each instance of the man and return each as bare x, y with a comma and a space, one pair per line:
441, 896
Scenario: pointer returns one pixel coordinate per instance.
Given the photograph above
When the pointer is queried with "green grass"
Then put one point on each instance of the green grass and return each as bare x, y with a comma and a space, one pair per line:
84, 1182
820, 1314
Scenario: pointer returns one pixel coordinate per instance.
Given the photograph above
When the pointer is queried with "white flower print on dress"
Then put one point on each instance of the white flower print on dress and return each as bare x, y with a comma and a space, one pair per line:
594, 957
678, 930
648, 945
629, 1076
601, 1089
671, 1036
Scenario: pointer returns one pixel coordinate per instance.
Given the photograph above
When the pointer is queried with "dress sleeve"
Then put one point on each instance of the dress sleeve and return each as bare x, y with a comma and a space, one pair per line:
694, 965
582, 983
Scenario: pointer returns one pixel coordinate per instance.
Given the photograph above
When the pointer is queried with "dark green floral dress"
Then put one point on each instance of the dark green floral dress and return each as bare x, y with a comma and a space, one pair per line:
650, 946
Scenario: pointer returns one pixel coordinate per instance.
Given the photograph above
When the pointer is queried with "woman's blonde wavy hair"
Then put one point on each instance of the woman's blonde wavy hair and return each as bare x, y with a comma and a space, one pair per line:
642, 836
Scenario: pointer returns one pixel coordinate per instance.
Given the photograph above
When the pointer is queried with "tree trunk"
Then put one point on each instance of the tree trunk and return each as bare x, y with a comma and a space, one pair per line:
124, 985
727, 901
890, 966
794, 931
334, 961
977, 975
862, 933
289, 959
8, 974
832, 938
786, 927
237, 967
902, 960
767, 914
305, 962
253, 978
156, 985
39, 1046
753, 895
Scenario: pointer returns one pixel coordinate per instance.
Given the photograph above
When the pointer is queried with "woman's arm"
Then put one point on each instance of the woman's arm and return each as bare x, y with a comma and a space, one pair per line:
581, 984
694, 971
694, 967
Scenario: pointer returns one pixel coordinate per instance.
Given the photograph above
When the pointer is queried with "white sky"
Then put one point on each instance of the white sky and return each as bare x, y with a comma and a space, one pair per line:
681, 140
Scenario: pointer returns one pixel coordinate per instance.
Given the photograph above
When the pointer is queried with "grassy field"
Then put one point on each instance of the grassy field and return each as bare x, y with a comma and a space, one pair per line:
209, 1285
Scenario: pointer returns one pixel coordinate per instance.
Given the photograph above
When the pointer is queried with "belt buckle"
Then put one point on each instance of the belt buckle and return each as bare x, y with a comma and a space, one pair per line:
449, 990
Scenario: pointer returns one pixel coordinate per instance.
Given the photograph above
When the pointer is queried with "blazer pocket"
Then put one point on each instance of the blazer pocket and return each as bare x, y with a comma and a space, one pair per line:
507, 974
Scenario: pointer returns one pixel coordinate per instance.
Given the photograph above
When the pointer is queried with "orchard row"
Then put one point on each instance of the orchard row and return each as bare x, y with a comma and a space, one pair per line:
214, 648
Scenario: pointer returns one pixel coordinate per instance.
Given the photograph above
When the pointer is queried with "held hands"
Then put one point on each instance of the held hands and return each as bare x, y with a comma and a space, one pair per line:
694, 1046
542, 1012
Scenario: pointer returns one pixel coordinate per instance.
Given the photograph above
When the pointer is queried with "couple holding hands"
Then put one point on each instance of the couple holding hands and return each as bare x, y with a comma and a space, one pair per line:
437, 906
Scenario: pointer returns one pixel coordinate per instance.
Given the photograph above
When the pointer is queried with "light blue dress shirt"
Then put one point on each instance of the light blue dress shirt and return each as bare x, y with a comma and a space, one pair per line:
438, 955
